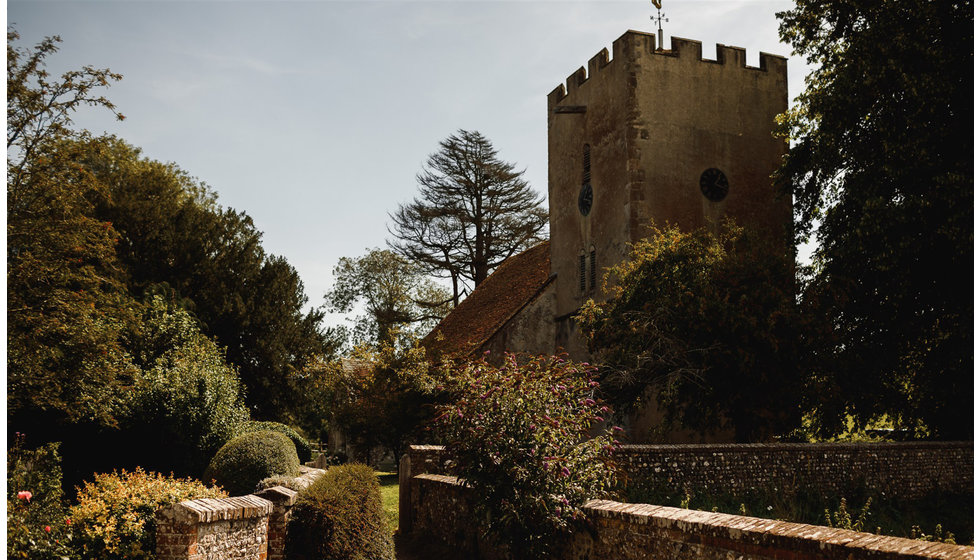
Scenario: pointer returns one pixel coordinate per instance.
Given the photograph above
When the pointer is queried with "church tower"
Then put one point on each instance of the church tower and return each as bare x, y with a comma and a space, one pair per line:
663, 136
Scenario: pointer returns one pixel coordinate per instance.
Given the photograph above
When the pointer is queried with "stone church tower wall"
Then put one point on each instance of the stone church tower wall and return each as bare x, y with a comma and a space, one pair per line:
640, 129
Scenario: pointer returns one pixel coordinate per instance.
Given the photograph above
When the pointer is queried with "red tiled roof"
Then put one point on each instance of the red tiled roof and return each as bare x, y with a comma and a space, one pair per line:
514, 284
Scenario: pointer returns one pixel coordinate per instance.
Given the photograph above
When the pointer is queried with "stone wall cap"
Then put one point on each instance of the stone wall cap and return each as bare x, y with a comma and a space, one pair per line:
439, 478
210, 510
759, 530
279, 495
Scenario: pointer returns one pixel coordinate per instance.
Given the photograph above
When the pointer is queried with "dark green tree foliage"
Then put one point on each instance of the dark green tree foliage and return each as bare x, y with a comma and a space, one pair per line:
882, 173
66, 303
185, 395
708, 326
176, 239
473, 211
340, 517
398, 299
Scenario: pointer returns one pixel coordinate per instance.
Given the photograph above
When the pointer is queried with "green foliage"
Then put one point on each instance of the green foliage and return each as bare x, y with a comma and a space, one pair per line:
245, 460
521, 436
473, 211
176, 239
37, 526
708, 326
340, 517
882, 172
66, 304
185, 395
114, 516
303, 449
380, 397
399, 301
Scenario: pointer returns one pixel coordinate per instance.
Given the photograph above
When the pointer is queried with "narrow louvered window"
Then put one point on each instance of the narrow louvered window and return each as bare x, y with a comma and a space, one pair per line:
592, 271
586, 165
581, 271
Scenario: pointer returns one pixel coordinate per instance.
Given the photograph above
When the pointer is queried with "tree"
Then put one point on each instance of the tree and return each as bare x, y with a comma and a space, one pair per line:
708, 326
882, 173
175, 238
66, 301
399, 301
379, 397
473, 212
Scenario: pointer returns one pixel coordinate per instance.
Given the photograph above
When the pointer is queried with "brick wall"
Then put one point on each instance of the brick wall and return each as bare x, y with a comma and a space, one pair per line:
646, 532
212, 529
249, 527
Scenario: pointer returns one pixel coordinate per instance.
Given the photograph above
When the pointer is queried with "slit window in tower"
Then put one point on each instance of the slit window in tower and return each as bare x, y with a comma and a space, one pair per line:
592, 271
581, 271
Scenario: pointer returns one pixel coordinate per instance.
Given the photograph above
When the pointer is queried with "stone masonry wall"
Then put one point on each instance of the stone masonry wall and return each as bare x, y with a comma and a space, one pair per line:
646, 532
907, 469
214, 529
249, 527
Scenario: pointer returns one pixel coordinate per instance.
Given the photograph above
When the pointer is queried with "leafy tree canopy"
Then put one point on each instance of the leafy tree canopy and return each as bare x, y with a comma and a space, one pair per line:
473, 211
398, 300
708, 327
66, 300
882, 172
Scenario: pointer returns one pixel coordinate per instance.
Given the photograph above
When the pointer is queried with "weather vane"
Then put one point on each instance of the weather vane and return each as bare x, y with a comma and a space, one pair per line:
659, 18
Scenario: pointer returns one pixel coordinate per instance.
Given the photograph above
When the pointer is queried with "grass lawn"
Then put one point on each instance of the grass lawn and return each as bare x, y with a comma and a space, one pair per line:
389, 497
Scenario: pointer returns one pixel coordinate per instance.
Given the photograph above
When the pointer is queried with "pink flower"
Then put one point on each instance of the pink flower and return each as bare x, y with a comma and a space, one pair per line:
47, 528
589, 402
565, 472
24, 495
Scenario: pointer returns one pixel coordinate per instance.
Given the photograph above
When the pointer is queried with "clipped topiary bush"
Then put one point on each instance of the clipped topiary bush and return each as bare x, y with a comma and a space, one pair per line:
303, 448
245, 460
340, 517
114, 518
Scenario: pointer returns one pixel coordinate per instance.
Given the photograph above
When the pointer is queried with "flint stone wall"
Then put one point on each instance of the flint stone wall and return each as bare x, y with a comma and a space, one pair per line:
249, 527
907, 470
440, 512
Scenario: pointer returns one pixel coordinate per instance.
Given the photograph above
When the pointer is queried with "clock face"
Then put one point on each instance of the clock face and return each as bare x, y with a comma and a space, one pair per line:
714, 184
585, 199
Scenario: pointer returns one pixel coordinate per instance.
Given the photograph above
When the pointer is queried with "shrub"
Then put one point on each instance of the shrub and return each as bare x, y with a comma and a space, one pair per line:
278, 480
521, 439
186, 395
245, 460
37, 527
114, 517
303, 448
340, 517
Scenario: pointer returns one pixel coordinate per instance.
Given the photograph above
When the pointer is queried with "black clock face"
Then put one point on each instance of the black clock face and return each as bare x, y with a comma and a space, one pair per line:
714, 184
585, 199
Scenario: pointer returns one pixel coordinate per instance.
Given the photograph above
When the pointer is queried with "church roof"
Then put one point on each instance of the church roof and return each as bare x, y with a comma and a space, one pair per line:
513, 285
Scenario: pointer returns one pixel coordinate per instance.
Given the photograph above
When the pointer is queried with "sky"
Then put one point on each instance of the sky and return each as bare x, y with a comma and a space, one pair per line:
315, 116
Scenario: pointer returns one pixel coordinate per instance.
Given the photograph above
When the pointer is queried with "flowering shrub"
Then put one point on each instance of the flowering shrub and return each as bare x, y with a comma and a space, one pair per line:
527, 438
36, 524
114, 517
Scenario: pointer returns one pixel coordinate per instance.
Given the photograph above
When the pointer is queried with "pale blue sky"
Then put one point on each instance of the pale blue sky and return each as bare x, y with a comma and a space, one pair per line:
314, 116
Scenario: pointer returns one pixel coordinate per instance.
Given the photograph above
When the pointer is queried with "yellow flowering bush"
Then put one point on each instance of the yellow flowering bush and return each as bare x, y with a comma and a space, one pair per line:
114, 518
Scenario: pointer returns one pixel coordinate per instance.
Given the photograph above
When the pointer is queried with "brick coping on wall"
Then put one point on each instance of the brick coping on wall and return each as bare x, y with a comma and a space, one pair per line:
749, 536
787, 447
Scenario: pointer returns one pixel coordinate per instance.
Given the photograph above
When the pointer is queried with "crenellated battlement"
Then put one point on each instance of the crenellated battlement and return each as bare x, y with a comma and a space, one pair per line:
633, 45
